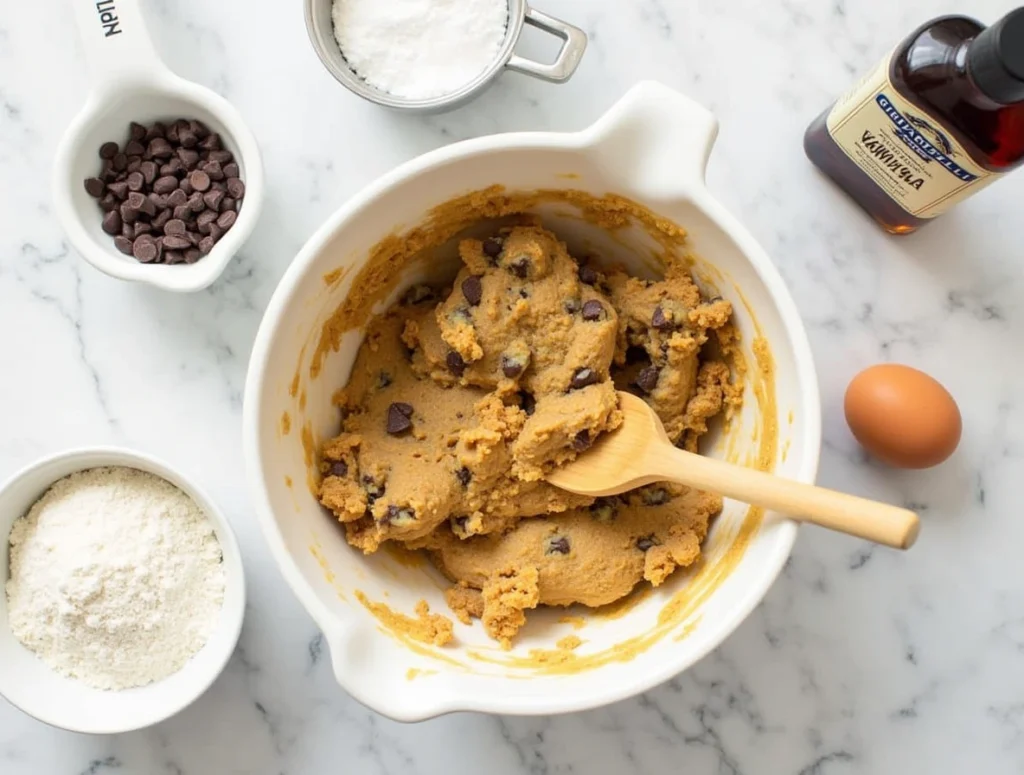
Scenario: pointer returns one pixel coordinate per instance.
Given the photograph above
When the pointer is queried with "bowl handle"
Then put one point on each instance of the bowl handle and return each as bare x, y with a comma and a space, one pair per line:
116, 43
656, 137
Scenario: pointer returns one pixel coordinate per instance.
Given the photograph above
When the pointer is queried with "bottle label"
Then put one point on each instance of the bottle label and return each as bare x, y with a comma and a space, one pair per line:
902, 148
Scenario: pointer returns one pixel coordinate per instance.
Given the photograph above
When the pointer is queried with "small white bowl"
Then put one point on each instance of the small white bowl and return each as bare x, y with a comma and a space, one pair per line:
29, 684
132, 84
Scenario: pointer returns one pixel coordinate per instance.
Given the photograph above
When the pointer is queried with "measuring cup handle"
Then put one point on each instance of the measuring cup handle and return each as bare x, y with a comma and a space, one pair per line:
116, 43
568, 59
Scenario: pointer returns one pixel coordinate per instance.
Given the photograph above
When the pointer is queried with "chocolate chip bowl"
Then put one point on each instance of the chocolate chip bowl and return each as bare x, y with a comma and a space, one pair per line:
370, 337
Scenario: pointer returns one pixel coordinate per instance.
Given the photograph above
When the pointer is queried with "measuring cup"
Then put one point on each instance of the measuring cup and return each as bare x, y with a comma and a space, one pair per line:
131, 83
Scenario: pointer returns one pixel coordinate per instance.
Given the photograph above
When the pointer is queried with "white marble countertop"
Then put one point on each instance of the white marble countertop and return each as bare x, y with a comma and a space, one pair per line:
860, 660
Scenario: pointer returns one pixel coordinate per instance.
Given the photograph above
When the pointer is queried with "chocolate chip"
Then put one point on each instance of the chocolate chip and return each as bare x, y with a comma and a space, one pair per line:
206, 245
460, 526
176, 242
108, 202
646, 542
128, 214
95, 187
456, 365
177, 197
400, 516
108, 150
198, 128
398, 419
222, 156
338, 468
145, 249
134, 162
161, 219
211, 142
204, 220
187, 138
213, 199
136, 131
231, 171
520, 267
141, 228
603, 510
118, 188
134, 148
195, 202
135, 181
647, 379
199, 180
572, 306
383, 379
183, 212
594, 310
492, 247
214, 170
654, 496
185, 186
228, 203
192, 255
374, 489
527, 403
159, 148
188, 157
165, 185
227, 219
144, 204
512, 365
464, 476
112, 222
472, 288
556, 545
172, 257
581, 441
583, 377
587, 275
123, 244
661, 321
172, 133
149, 171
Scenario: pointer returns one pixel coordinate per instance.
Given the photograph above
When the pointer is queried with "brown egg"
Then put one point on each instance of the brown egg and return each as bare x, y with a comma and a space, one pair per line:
902, 416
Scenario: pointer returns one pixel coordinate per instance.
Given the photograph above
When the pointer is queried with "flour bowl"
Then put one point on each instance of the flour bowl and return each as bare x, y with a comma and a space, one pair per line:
651, 150
29, 684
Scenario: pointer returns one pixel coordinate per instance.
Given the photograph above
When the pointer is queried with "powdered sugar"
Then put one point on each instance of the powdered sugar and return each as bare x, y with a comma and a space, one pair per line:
419, 48
116, 578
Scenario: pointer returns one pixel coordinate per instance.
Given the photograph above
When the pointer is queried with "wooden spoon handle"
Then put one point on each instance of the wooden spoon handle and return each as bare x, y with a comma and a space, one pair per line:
879, 522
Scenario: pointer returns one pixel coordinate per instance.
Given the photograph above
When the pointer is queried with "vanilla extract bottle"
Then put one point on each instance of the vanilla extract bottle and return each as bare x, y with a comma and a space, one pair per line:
939, 119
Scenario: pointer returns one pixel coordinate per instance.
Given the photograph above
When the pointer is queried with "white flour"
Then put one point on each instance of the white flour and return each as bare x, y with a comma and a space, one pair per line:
116, 578
419, 48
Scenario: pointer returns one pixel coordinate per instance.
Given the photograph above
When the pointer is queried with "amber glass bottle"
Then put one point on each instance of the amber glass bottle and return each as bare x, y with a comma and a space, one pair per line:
940, 118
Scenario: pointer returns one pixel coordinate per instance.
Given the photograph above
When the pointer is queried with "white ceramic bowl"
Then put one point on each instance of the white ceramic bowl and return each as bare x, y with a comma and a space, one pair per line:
652, 147
130, 83
27, 683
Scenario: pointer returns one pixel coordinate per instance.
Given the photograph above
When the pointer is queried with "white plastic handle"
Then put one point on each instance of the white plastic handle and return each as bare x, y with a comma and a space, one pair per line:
117, 45
658, 137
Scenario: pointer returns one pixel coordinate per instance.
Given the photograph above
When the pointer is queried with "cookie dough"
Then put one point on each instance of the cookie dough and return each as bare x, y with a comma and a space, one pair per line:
460, 400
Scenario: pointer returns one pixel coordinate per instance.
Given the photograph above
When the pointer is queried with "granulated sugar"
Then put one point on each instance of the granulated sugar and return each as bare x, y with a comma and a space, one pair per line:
116, 578
419, 48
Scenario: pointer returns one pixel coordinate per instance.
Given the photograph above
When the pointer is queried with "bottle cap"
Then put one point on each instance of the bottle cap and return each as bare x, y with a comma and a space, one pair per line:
996, 59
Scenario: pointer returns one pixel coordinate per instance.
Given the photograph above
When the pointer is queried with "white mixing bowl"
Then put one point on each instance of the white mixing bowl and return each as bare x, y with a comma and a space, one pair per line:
651, 147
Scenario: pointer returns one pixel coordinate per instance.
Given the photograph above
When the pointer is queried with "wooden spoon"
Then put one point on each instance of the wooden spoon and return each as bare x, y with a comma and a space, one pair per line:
640, 452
